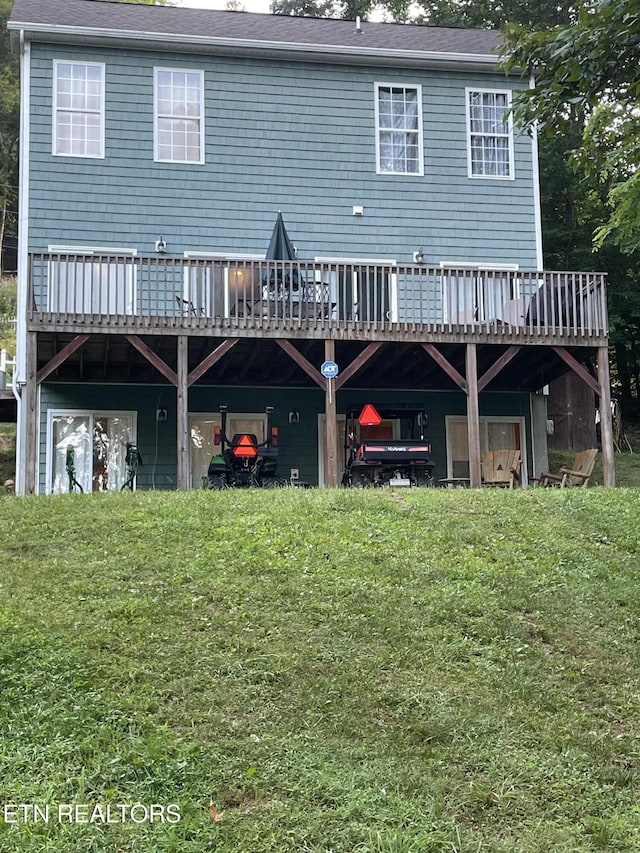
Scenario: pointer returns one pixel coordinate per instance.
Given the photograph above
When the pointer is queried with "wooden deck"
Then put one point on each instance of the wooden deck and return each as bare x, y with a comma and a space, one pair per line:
323, 301
194, 320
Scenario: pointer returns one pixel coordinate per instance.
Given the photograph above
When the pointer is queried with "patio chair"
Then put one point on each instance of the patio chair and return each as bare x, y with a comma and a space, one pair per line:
577, 475
501, 468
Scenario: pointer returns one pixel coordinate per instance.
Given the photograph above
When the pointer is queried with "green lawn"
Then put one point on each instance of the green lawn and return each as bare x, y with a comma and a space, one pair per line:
394, 672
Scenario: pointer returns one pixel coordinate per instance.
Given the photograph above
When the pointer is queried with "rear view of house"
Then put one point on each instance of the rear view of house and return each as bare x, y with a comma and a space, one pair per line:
163, 148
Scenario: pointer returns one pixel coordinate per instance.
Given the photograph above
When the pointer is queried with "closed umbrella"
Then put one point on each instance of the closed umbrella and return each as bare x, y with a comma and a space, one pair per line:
281, 249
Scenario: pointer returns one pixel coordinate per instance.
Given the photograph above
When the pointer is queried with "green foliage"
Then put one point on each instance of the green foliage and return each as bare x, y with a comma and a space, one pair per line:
8, 314
350, 671
487, 14
590, 67
347, 9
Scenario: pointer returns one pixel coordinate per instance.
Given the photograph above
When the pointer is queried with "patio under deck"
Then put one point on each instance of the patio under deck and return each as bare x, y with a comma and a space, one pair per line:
234, 322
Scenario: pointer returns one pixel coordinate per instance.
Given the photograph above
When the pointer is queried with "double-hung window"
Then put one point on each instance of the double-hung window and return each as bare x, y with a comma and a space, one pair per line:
399, 129
179, 115
78, 109
489, 133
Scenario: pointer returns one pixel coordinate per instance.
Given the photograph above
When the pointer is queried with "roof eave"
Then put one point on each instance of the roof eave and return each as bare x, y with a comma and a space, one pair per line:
286, 50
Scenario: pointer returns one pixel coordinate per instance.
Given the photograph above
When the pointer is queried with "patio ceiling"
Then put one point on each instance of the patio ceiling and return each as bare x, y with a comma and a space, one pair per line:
262, 362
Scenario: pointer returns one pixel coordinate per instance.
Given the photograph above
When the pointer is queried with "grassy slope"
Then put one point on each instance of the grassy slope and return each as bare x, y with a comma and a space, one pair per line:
362, 671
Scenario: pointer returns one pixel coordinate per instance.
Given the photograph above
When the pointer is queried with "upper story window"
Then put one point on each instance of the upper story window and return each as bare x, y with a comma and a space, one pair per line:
490, 134
399, 129
78, 109
179, 115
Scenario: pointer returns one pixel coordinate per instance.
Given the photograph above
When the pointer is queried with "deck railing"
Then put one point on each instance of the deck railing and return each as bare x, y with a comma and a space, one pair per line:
160, 291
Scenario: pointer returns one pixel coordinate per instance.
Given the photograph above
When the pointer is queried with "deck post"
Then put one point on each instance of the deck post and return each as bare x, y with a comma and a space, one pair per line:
31, 415
473, 417
606, 429
183, 413
330, 423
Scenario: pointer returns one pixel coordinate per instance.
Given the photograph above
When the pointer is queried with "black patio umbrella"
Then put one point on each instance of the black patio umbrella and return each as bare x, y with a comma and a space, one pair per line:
281, 249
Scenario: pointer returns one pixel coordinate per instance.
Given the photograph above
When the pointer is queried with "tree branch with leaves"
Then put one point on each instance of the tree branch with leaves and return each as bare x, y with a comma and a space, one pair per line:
590, 67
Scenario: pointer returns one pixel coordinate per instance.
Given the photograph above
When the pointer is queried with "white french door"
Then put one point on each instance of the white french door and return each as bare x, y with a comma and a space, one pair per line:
201, 431
99, 444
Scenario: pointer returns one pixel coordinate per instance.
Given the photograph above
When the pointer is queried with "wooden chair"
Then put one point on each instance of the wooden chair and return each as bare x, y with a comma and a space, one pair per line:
578, 475
501, 468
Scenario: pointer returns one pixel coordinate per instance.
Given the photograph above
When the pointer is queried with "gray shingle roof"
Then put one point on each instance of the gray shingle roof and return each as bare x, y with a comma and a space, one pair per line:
92, 19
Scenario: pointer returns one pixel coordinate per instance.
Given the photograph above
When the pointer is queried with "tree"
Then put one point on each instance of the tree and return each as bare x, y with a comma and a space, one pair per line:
346, 9
590, 67
9, 134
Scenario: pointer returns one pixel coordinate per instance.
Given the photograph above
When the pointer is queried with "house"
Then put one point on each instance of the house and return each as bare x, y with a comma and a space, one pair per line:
160, 144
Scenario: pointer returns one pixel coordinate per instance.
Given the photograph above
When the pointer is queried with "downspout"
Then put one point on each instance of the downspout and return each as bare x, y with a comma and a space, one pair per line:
537, 212
19, 375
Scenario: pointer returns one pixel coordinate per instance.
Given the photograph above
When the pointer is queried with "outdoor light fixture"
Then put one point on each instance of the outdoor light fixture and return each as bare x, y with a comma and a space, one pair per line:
418, 257
294, 417
161, 245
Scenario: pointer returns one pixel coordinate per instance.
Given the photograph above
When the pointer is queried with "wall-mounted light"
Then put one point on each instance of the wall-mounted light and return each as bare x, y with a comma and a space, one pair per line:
161, 245
294, 417
418, 257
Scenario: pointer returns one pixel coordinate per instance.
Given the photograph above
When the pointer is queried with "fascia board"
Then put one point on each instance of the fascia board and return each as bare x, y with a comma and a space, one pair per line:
285, 50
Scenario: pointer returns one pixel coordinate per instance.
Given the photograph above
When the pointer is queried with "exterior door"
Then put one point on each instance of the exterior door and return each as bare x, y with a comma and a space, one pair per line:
99, 444
202, 448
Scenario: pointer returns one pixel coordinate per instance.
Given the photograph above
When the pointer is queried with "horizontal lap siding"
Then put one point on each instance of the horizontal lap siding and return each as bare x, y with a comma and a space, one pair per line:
298, 443
295, 137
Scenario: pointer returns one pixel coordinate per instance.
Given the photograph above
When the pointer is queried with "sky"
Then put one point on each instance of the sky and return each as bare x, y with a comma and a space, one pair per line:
249, 5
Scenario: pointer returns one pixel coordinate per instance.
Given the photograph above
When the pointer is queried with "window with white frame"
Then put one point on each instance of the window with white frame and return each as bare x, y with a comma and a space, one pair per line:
94, 282
496, 433
399, 129
78, 109
97, 442
179, 115
490, 133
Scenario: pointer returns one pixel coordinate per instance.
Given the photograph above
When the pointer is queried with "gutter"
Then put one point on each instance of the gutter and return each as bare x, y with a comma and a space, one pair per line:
215, 44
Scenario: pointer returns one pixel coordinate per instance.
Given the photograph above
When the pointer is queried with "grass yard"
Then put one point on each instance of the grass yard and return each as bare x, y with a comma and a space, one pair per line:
356, 672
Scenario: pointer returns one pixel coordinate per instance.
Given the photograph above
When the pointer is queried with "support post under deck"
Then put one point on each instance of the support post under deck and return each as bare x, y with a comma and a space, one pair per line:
473, 418
183, 413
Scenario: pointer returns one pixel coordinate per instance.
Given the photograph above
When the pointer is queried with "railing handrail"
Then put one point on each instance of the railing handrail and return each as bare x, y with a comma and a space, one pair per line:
307, 294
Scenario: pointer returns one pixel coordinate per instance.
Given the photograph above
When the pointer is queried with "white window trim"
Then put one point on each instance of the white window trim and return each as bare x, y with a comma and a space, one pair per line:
54, 118
91, 250
223, 256
484, 419
217, 418
400, 85
372, 262
79, 413
512, 167
156, 156
484, 266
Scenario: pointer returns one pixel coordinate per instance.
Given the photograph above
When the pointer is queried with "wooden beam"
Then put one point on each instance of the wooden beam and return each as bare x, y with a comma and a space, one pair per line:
153, 358
606, 428
62, 356
183, 413
497, 366
105, 361
302, 362
578, 368
357, 364
30, 413
330, 423
211, 359
473, 418
448, 368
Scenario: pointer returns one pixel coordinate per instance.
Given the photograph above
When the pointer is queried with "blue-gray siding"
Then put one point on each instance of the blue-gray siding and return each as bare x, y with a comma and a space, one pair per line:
298, 442
296, 137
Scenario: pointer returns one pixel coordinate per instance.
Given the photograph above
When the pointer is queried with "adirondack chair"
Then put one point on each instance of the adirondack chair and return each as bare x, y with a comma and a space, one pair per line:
501, 468
578, 475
